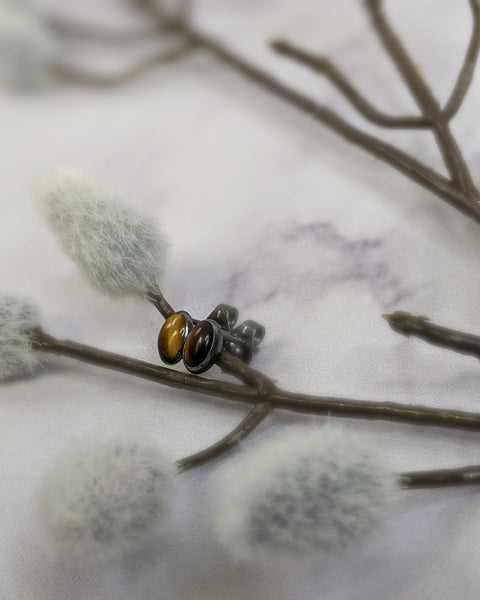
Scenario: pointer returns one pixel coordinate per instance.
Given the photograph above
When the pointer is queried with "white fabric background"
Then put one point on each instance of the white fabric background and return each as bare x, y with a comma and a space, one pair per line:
268, 210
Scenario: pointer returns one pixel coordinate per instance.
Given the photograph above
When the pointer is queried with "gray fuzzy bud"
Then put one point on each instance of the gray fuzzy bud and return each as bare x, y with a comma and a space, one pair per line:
17, 317
120, 250
106, 494
305, 491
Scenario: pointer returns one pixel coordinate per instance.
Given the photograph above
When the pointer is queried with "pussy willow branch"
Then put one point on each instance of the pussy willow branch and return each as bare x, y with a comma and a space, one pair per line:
459, 190
440, 478
321, 405
104, 35
155, 296
324, 66
466, 73
421, 327
261, 391
434, 118
425, 99
458, 341
263, 385
255, 416
71, 73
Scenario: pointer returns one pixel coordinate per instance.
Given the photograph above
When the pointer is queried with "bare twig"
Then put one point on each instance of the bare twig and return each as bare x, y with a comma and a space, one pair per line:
255, 416
421, 327
276, 398
155, 296
463, 198
401, 161
321, 405
71, 73
104, 35
440, 478
425, 99
468, 68
256, 379
339, 80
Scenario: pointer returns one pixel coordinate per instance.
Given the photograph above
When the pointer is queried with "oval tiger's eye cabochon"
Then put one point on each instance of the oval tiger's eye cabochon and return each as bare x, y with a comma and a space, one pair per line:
172, 338
198, 344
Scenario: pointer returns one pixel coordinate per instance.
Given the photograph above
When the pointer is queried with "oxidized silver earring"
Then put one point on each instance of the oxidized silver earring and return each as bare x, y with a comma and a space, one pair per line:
200, 343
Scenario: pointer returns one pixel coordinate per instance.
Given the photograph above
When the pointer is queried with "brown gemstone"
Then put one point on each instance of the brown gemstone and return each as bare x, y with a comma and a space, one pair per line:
198, 344
172, 337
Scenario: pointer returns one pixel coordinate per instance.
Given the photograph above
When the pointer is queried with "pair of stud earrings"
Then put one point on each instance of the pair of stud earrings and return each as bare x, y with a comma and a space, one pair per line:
200, 343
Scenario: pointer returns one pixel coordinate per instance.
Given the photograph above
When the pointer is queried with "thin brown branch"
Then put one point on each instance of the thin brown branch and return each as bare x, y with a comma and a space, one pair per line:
71, 73
421, 327
263, 385
104, 35
440, 478
256, 379
406, 67
320, 405
255, 416
322, 65
403, 162
468, 68
155, 296
425, 99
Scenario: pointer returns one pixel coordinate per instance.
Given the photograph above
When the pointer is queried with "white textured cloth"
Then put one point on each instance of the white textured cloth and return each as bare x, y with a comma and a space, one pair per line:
271, 212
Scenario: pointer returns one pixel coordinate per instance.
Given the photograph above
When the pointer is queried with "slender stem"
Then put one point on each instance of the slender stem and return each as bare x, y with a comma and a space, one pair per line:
256, 379
249, 423
468, 68
440, 478
403, 162
71, 73
339, 80
425, 99
320, 405
421, 327
407, 69
155, 296
254, 417
386, 152
104, 35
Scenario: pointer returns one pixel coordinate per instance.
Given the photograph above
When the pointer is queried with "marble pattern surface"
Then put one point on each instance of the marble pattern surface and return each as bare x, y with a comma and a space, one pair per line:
269, 211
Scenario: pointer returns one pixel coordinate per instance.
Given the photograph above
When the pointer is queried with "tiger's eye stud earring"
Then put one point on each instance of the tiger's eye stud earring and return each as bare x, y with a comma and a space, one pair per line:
200, 343
172, 336
203, 346
209, 338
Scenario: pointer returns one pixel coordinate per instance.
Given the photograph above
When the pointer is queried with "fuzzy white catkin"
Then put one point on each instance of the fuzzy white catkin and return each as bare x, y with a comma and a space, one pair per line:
120, 250
17, 317
106, 494
305, 491
27, 47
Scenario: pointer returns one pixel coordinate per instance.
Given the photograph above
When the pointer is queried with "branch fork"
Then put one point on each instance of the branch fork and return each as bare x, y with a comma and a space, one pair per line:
459, 189
260, 391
